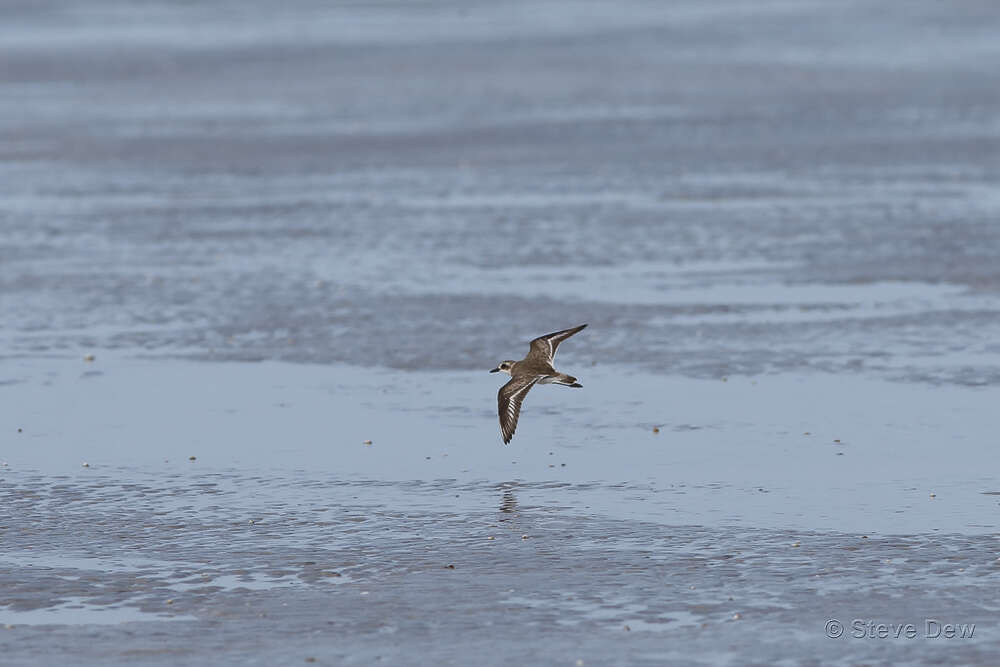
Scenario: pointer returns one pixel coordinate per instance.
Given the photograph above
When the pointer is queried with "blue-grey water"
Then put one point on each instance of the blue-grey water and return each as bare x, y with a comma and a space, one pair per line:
240, 240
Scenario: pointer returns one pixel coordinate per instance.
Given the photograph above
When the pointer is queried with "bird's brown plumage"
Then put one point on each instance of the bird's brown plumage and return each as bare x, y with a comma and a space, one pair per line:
509, 400
535, 367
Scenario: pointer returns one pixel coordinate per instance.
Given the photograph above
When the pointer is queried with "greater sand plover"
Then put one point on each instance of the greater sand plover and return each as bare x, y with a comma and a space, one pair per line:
536, 368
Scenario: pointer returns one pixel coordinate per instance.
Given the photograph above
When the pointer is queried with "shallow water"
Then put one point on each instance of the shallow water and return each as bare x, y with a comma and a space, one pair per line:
809, 452
590, 537
282, 234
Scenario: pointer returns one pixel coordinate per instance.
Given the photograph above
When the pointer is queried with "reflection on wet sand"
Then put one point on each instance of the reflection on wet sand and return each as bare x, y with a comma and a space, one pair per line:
508, 502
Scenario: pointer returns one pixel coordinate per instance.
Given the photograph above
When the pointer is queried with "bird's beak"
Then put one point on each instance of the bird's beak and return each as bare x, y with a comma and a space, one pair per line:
495, 370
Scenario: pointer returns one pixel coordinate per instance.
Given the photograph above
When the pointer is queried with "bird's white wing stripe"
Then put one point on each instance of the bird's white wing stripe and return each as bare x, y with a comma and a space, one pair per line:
544, 347
528, 384
512, 408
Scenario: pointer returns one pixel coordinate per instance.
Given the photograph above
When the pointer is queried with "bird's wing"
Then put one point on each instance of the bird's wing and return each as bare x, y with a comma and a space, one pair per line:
544, 347
509, 403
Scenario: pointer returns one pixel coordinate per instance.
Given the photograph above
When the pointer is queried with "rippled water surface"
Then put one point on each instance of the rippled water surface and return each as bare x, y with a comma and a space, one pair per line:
237, 241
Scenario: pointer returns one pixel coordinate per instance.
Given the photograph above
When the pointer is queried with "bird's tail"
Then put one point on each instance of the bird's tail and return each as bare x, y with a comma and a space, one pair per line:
567, 380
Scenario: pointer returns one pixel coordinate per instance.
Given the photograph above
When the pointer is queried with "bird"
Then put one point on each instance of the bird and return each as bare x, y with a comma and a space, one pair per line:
536, 368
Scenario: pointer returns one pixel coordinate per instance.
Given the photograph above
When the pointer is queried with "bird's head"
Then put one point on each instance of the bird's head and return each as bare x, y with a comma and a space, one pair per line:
504, 367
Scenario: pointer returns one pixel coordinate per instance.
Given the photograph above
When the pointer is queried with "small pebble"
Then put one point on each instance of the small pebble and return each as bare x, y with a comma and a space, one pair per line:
837, 440
864, 537
807, 433
795, 544
250, 522
628, 629
450, 567
737, 617
524, 537
933, 495
192, 458
579, 663
491, 538
88, 357
367, 442
19, 430
310, 659
86, 465
656, 429
170, 601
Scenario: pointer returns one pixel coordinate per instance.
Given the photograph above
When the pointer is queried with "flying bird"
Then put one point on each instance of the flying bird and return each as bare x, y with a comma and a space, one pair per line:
536, 368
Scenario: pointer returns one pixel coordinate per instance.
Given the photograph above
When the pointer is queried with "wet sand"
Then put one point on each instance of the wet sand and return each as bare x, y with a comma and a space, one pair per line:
282, 234
591, 537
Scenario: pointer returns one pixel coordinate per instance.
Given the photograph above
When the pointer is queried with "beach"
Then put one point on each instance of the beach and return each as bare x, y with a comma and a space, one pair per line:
255, 266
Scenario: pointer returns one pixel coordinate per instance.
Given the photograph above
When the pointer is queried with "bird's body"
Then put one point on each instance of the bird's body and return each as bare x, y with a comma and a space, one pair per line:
536, 368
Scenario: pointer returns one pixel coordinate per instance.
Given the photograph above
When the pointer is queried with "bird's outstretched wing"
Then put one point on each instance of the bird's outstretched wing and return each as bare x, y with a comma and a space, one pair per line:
509, 403
544, 347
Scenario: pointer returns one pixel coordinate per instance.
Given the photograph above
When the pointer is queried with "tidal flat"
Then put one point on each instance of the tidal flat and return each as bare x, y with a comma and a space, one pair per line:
255, 265
237, 510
